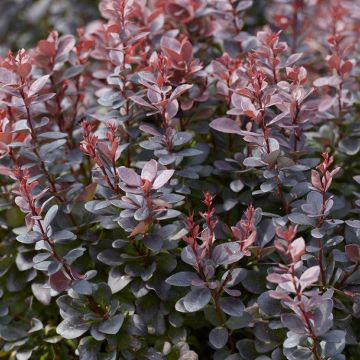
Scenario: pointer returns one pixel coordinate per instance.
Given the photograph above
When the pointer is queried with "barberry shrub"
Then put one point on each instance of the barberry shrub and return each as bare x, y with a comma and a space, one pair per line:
180, 182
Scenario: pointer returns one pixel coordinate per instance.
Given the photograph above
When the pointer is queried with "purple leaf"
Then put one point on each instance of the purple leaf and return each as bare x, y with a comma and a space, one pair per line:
59, 282
352, 252
232, 306
243, 5
50, 215
278, 278
149, 130
183, 278
129, 176
310, 276
188, 256
353, 223
72, 328
153, 242
225, 125
148, 77
172, 109
292, 322
7, 77
140, 101
218, 337
153, 96
197, 299
323, 317
228, 253
113, 325
162, 178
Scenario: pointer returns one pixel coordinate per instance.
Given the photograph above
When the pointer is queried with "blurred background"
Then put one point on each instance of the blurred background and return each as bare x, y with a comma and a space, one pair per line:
24, 22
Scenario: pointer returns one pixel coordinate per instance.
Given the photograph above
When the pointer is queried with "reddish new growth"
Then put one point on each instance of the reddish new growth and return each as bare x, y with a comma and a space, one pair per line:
245, 232
290, 16
270, 50
298, 78
339, 47
146, 185
7, 136
292, 249
193, 232
83, 47
180, 58
337, 93
88, 145
159, 63
104, 155
287, 247
27, 200
253, 98
208, 215
321, 179
290, 284
225, 70
111, 152
202, 249
20, 65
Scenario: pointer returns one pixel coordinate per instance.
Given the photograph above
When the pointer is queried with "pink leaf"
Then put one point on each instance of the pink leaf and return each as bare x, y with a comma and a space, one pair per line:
186, 51
326, 103
47, 48
38, 84
277, 278
66, 44
315, 180
149, 171
346, 67
297, 249
322, 81
180, 90
333, 61
24, 70
169, 43
288, 286
162, 178
5, 171
310, 276
293, 58
280, 295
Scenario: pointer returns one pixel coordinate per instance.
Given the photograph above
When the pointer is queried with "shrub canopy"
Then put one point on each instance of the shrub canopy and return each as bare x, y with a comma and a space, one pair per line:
179, 181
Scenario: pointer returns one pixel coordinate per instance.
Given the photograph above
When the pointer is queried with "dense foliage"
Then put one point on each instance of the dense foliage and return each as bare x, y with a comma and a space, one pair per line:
179, 181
